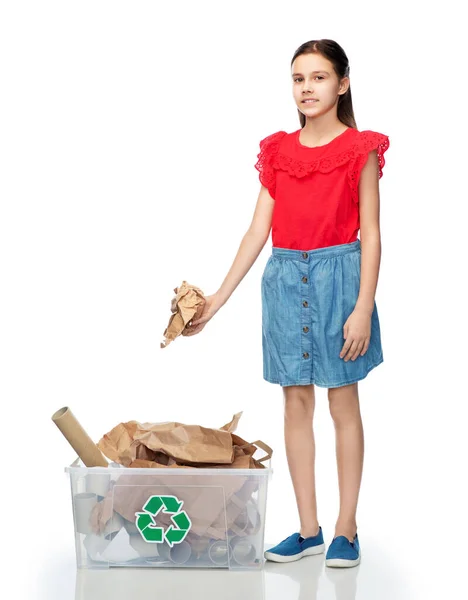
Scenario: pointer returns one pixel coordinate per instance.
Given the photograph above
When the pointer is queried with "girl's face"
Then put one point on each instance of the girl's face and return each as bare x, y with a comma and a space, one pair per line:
313, 77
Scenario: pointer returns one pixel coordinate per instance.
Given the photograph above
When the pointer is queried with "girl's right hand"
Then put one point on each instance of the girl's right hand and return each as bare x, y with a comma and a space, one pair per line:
212, 305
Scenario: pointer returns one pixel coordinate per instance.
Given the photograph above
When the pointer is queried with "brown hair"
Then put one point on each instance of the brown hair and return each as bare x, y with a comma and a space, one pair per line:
333, 52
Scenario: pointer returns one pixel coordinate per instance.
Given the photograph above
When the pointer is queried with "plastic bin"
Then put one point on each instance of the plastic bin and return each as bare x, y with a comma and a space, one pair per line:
169, 517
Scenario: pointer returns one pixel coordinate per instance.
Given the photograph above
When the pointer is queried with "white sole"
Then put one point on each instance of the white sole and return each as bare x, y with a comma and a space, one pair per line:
342, 562
307, 552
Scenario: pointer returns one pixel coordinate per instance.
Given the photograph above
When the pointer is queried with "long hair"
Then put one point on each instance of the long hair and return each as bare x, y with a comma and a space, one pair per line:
333, 52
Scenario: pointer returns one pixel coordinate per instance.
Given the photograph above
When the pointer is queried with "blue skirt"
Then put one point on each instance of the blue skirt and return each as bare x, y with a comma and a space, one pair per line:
307, 296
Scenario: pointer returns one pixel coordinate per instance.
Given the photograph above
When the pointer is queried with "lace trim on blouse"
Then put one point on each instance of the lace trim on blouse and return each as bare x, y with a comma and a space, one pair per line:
268, 150
270, 159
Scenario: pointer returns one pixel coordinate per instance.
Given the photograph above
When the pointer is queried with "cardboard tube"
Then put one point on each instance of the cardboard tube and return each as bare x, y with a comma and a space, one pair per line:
219, 552
98, 483
78, 438
164, 550
180, 553
198, 544
243, 550
84, 504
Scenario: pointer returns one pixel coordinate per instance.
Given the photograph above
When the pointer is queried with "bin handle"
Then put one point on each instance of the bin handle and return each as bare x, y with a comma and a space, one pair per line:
261, 445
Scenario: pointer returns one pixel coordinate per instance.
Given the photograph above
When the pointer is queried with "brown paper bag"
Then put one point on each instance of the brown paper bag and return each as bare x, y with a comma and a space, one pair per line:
130, 441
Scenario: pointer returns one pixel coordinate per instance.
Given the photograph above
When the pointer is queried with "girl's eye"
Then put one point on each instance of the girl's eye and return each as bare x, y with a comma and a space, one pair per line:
319, 76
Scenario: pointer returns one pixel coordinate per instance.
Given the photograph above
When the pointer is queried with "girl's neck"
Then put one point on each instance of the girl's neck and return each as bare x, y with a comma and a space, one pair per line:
316, 133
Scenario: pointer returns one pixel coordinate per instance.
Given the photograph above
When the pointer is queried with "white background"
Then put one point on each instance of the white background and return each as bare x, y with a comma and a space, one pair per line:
129, 134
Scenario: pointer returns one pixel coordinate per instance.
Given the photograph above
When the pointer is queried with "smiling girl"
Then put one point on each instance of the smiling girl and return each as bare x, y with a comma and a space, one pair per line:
320, 326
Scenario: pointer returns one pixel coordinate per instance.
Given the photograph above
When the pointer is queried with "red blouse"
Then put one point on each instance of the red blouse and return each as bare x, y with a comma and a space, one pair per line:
316, 189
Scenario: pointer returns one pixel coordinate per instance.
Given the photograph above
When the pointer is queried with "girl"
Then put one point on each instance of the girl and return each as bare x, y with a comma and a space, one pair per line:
320, 186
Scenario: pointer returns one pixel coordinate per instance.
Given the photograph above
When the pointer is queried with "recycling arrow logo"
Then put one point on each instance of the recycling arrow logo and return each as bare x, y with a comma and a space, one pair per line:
148, 528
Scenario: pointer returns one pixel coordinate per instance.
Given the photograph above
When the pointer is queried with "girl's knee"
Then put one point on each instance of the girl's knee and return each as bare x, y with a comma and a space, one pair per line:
344, 403
299, 401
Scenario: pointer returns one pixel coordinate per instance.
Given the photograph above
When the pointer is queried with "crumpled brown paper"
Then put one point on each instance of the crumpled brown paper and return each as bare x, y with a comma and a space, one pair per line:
186, 305
173, 444
215, 506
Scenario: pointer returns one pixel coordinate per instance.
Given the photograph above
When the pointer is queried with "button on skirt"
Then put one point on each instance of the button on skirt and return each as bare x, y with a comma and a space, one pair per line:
307, 296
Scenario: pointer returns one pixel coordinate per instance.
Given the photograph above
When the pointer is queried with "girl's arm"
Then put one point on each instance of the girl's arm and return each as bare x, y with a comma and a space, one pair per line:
369, 216
251, 245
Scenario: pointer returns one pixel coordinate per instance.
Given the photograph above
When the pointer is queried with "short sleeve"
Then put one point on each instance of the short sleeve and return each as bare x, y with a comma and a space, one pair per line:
264, 165
367, 141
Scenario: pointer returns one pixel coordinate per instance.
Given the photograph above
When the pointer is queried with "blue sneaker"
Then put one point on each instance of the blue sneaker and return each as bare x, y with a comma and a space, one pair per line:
295, 547
343, 553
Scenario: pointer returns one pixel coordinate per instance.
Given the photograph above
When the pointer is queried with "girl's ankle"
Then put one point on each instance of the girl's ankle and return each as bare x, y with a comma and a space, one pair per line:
309, 531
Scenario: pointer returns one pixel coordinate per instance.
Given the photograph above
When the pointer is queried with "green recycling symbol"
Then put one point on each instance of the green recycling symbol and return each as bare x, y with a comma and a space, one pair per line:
146, 524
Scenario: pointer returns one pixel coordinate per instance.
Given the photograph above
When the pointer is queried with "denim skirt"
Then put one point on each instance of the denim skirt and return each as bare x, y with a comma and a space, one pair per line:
307, 296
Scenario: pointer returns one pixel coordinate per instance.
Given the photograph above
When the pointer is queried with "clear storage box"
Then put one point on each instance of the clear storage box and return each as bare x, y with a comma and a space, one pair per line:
169, 517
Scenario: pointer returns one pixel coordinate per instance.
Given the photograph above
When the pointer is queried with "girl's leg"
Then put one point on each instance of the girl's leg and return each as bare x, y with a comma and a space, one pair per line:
346, 414
299, 405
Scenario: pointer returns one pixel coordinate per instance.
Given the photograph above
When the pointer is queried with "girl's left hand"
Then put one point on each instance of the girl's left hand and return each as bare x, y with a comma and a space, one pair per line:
356, 332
